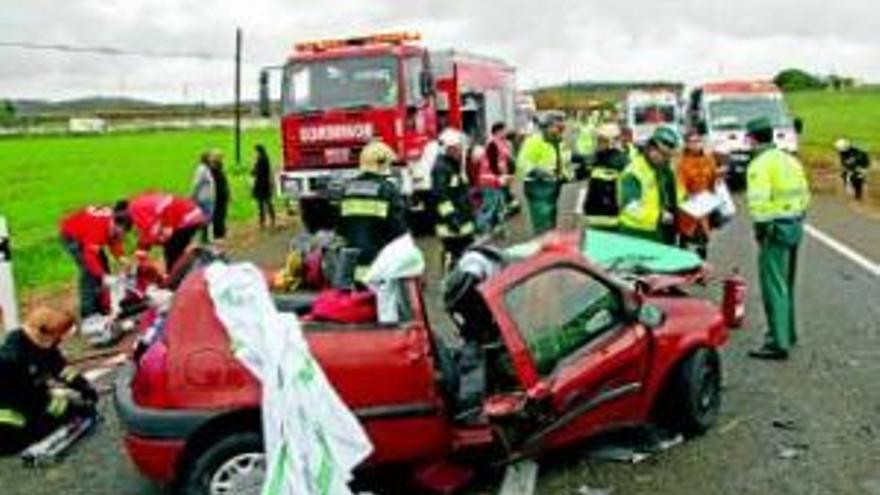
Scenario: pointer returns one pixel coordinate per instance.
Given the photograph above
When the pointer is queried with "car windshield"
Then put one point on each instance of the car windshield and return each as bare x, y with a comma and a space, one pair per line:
654, 114
345, 83
734, 114
560, 310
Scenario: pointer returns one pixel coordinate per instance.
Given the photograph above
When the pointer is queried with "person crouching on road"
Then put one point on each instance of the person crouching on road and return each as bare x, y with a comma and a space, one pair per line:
39, 392
778, 195
855, 164
372, 212
449, 197
494, 176
697, 173
163, 219
648, 190
87, 235
203, 191
543, 167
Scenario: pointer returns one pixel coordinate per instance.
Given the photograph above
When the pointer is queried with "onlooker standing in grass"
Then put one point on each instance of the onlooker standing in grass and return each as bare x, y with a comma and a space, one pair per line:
262, 191
204, 190
221, 194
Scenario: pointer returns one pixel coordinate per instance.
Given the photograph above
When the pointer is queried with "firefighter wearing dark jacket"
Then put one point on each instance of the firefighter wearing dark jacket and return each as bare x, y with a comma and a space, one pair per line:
855, 164
372, 211
39, 392
449, 197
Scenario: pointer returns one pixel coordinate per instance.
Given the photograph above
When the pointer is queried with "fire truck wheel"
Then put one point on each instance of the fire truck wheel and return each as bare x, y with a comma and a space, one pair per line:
696, 393
235, 464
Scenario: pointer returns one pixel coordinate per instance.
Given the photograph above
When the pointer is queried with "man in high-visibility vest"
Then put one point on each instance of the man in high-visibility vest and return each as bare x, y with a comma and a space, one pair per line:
601, 206
648, 190
450, 199
372, 212
39, 392
778, 195
543, 164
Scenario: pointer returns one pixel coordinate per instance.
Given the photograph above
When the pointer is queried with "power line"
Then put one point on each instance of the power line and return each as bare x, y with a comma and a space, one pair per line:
108, 50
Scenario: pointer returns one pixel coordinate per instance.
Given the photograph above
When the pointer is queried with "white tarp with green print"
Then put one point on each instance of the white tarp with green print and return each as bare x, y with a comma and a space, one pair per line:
313, 441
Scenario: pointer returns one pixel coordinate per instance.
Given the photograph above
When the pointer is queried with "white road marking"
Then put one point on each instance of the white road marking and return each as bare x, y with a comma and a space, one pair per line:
848, 252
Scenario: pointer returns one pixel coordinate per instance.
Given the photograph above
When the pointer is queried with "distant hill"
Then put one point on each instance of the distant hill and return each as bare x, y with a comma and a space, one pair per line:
588, 95
89, 105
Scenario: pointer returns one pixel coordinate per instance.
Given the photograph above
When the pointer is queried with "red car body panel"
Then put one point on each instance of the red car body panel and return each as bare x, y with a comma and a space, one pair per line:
387, 375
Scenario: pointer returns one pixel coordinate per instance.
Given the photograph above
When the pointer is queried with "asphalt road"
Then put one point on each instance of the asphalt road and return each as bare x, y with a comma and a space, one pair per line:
827, 397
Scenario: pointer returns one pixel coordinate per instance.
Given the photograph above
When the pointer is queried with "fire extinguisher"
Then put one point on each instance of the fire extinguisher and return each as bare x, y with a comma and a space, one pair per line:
734, 303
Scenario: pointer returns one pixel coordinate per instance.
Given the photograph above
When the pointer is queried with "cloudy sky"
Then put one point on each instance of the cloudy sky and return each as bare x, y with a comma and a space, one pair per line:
548, 41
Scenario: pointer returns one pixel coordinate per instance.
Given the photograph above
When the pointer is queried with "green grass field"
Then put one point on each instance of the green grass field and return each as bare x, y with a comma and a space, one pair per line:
854, 114
44, 177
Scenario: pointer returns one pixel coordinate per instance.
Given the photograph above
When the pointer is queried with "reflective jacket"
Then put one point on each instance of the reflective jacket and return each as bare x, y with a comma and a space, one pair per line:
450, 200
371, 215
539, 158
601, 205
91, 229
152, 213
777, 186
26, 371
656, 192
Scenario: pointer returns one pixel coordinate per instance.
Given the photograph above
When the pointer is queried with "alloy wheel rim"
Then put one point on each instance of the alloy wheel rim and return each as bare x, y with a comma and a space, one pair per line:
243, 474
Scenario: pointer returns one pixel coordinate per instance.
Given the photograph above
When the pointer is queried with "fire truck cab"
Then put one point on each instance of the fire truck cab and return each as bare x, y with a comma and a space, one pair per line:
337, 95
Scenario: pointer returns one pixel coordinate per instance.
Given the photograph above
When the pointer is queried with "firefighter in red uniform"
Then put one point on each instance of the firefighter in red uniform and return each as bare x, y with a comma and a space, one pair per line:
88, 234
39, 392
167, 220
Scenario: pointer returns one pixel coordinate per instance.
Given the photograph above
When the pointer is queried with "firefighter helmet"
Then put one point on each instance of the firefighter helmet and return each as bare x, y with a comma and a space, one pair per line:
842, 144
377, 157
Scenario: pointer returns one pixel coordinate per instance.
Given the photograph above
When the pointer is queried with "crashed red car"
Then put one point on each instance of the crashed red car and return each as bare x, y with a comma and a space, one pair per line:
575, 352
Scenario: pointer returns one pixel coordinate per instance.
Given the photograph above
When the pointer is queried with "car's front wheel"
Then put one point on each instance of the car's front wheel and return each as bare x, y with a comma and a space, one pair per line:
696, 398
234, 465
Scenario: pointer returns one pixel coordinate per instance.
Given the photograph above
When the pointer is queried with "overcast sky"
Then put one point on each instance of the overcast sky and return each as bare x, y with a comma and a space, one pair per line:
548, 41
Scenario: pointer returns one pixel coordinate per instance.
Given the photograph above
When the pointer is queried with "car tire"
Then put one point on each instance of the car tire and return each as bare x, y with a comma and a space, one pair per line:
696, 393
203, 475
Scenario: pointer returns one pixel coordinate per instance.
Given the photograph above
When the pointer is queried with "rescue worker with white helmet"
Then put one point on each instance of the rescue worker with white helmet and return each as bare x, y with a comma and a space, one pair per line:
543, 164
449, 196
372, 212
854, 163
778, 195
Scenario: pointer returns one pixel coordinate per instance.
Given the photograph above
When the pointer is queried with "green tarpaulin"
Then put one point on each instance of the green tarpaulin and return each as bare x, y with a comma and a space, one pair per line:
619, 252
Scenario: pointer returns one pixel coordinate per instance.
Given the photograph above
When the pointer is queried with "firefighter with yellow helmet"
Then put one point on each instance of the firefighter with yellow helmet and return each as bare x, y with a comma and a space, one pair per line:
372, 212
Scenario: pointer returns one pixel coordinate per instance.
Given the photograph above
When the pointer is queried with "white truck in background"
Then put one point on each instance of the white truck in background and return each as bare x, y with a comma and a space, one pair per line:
720, 112
645, 110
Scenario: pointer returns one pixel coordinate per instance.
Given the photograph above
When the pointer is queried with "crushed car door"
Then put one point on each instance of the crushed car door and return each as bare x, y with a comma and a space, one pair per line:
574, 350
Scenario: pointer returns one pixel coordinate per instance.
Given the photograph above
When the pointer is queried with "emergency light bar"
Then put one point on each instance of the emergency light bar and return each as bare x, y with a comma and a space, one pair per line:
396, 38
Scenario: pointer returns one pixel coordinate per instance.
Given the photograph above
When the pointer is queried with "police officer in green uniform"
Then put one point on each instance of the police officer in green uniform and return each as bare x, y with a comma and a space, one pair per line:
449, 197
543, 165
601, 206
649, 193
372, 212
39, 392
778, 195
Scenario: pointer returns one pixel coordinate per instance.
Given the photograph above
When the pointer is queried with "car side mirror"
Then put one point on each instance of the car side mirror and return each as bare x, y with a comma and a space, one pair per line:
651, 316
798, 125
265, 104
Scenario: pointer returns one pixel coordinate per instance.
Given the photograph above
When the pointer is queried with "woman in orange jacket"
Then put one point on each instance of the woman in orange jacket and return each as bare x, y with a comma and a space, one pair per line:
697, 172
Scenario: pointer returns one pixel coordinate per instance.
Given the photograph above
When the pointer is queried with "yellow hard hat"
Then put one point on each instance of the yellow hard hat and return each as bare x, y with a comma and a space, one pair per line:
377, 157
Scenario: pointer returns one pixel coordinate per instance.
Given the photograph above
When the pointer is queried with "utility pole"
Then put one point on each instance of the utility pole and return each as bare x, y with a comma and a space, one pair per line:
238, 98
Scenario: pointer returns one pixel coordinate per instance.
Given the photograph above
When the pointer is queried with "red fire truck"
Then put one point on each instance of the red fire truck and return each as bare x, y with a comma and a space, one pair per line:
339, 94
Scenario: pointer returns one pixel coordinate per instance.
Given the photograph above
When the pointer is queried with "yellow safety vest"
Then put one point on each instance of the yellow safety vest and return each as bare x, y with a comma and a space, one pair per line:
538, 153
643, 214
777, 186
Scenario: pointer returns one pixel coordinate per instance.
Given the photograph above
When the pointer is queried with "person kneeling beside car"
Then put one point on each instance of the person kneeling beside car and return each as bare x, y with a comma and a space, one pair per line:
39, 392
